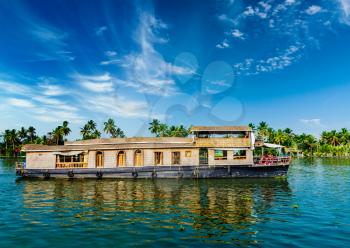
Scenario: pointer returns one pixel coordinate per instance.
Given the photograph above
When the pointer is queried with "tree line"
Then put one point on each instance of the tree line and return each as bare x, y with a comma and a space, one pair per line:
12, 140
330, 143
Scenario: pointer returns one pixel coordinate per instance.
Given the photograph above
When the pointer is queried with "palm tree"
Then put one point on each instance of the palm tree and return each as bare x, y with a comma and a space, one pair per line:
163, 130
154, 127
334, 138
22, 134
58, 134
96, 134
280, 137
263, 130
91, 125
12, 137
119, 133
65, 129
344, 135
6, 138
85, 132
252, 126
31, 133
89, 131
110, 128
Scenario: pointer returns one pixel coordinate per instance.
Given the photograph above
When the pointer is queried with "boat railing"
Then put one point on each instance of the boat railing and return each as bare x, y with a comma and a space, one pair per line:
266, 160
68, 165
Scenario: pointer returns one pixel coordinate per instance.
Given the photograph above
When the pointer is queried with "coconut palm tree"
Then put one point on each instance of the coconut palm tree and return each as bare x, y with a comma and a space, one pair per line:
85, 132
13, 137
58, 134
154, 127
65, 129
110, 127
344, 136
22, 134
119, 133
280, 137
89, 131
91, 125
31, 131
263, 130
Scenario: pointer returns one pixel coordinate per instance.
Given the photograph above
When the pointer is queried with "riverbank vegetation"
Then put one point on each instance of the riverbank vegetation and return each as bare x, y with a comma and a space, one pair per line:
12, 140
329, 144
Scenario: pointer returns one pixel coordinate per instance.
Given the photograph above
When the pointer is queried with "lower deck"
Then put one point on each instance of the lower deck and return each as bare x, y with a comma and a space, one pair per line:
161, 172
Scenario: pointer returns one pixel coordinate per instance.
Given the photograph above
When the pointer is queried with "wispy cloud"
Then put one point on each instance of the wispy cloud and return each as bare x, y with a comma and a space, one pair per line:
280, 61
13, 87
315, 122
16, 102
344, 11
53, 43
100, 30
95, 83
148, 71
237, 34
313, 9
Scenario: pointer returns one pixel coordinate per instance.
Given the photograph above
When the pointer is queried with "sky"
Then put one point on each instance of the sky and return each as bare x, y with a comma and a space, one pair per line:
222, 62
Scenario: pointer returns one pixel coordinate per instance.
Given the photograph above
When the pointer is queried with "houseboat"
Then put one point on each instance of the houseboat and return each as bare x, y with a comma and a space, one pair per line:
210, 152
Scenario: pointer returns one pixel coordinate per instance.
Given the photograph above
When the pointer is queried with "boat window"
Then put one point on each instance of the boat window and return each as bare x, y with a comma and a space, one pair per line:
138, 158
121, 158
220, 154
188, 154
158, 158
175, 157
99, 159
239, 154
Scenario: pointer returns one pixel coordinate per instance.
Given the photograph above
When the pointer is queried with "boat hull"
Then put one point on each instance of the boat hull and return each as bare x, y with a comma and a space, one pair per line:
160, 172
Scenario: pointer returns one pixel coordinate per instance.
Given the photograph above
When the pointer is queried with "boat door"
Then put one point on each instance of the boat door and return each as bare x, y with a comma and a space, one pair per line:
203, 156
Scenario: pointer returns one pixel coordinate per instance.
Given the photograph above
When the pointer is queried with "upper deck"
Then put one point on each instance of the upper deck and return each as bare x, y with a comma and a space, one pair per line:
202, 136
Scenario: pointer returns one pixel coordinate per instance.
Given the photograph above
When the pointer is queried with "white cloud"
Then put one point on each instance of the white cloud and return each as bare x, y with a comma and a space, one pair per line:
224, 44
290, 2
100, 30
96, 83
51, 89
110, 62
312, 122
280, 61
344, 11
237, 34
147, 70
111, 53
98, 86
16, 102
313, 9
13, 87
118, 106
53, 42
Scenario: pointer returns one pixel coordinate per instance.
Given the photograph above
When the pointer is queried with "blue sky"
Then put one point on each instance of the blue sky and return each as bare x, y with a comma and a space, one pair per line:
184, 62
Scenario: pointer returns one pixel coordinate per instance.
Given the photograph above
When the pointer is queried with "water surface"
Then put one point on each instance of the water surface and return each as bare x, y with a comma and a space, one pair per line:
309, 208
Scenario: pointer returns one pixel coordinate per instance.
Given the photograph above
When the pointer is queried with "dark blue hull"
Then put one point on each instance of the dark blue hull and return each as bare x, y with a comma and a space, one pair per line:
160, 172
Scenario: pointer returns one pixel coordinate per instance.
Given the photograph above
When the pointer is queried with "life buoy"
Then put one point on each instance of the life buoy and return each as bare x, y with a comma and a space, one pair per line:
99, 174
134, 174
70, 174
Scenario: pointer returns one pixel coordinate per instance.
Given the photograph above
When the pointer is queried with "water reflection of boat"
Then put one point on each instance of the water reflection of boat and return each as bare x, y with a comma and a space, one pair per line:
211, 152
212, 208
